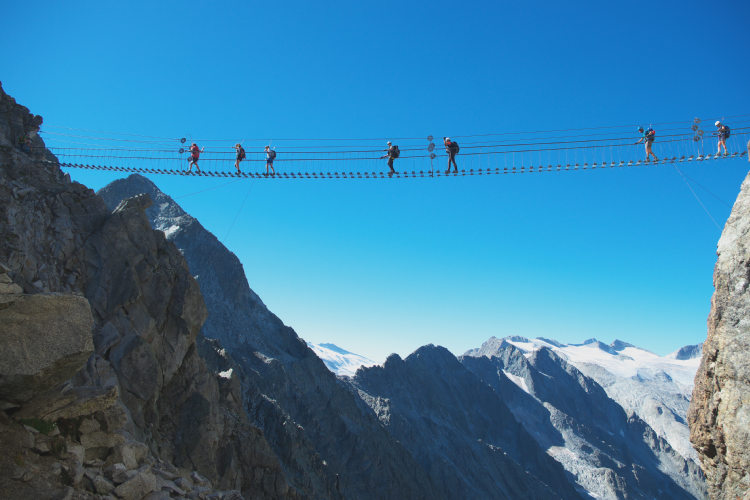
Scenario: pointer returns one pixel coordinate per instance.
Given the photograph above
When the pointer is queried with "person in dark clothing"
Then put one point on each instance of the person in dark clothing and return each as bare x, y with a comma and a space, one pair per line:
723, 132
240, 156
451, 148
391, 153
195, 154
648, 140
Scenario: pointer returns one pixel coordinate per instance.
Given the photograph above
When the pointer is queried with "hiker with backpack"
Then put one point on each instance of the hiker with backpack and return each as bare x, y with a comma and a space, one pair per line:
391, 153
451, 147
723, 132
195, 154
270, 157
648, 139
240, 156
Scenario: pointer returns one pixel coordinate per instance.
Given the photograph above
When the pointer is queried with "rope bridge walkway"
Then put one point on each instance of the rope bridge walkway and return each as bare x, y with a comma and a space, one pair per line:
400, 174
483, 154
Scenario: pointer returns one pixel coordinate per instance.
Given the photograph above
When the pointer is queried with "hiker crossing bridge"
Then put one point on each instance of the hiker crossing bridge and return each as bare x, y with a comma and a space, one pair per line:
484, 154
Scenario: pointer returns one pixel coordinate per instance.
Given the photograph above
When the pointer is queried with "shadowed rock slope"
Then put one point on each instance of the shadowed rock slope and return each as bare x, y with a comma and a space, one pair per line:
459, 428
719, 415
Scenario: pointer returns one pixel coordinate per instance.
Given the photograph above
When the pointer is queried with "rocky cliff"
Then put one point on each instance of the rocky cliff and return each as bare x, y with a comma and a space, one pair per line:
719, 415
102, 388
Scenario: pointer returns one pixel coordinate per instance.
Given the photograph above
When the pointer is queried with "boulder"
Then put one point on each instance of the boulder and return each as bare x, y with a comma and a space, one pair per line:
102, 485
140, 485
44, 340
72, 403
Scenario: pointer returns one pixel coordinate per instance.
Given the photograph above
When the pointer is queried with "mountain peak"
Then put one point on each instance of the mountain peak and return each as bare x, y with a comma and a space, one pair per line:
490, 347
551, 341
335, 348
432, 354
517, 338
619, 345
689, 352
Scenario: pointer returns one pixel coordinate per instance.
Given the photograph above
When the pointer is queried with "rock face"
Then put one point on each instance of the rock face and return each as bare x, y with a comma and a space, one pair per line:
719, 415
76, 277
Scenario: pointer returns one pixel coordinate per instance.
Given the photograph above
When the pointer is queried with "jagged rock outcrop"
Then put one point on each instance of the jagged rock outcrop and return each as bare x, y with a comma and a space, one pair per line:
144, 405
719, 415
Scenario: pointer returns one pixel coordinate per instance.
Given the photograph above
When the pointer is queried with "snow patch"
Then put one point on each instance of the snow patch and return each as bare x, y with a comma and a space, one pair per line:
338, 360
519, 381
170, 231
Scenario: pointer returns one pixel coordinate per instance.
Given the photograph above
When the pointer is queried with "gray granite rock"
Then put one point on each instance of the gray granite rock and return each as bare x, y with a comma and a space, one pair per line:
719, 415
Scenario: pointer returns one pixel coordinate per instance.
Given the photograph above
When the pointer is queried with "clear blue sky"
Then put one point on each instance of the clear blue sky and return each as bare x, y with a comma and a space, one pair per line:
379, 267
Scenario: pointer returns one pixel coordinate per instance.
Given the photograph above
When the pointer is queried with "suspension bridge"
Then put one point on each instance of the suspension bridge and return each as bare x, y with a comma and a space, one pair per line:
482, 154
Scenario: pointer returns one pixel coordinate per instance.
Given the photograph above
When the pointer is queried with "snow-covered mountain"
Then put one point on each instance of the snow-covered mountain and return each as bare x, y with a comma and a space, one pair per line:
608, 452
655, 388
338, 360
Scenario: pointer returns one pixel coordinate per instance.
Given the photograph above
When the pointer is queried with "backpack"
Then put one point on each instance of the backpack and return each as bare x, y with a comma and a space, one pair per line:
271, 154
726, 132
650, 134
454, 146
394, 152
242, 153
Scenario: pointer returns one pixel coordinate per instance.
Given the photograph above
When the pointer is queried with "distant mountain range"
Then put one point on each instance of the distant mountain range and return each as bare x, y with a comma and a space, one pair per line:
514, 418
655, 388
